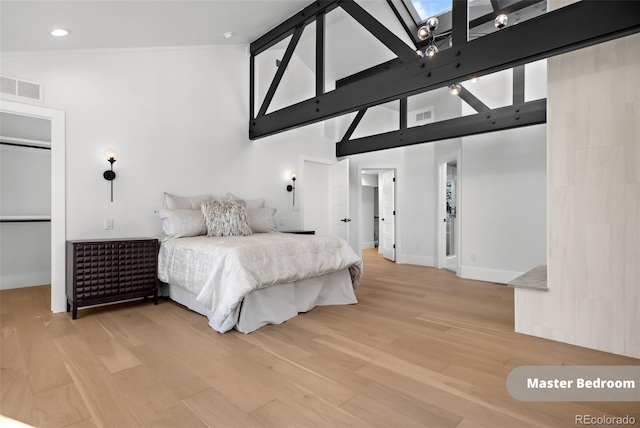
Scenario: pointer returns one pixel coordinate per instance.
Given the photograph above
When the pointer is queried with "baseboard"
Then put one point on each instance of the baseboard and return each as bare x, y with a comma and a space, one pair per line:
368, 245
410, 259
30, 279
489, 275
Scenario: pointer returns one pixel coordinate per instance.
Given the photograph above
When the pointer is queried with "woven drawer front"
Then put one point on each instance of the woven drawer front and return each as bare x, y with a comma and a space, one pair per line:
96, 270
137, 266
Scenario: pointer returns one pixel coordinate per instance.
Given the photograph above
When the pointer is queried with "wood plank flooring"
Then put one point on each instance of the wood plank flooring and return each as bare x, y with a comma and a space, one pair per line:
422, 348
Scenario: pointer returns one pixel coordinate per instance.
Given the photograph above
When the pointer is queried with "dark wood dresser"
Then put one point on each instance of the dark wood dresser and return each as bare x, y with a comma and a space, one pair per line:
105, 271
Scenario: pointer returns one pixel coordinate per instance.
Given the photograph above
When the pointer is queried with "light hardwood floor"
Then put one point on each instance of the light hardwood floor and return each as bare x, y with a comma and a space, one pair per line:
421, 348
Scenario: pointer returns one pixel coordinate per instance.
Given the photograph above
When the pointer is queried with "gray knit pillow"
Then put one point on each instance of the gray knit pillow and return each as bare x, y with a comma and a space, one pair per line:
226, 218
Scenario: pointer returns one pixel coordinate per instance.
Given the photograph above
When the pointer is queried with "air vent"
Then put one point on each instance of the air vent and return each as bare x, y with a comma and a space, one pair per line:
425, 116
21, 88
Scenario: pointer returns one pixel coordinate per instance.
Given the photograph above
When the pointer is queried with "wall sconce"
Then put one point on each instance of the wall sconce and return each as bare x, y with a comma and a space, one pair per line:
292, 187
111, 156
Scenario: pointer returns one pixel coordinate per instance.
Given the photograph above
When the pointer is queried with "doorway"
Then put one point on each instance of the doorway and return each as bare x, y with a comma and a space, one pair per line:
377, 211
449, 213
58, 210
25, 201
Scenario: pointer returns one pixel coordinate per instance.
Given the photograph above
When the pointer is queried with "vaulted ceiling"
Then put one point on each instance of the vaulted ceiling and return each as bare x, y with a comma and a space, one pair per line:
113, 24
475, 53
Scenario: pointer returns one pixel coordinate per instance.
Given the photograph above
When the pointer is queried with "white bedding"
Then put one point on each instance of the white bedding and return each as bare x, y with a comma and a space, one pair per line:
222, 271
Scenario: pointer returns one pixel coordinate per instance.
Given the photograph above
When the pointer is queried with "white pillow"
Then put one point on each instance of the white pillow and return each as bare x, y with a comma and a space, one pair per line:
182, 223
173, 202
251, 203
226, 218
262, 220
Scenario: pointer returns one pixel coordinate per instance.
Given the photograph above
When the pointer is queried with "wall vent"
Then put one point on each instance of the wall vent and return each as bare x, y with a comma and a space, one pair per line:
425, 116
21, 88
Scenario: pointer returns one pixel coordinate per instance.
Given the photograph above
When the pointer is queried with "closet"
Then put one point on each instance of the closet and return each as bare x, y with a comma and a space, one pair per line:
25, 201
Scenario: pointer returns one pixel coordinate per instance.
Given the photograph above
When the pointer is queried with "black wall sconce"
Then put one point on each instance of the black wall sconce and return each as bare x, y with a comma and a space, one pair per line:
109, 174
292, 187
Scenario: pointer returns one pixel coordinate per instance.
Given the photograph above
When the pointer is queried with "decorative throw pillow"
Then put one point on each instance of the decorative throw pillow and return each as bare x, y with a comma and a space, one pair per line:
251, 203
226, 218
173, 202
182, 223
262, 220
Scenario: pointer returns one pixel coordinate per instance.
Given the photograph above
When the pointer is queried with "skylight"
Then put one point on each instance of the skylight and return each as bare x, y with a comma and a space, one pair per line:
428, 8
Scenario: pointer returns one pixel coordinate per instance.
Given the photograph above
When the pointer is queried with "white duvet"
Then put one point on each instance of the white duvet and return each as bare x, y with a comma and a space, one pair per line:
222, 271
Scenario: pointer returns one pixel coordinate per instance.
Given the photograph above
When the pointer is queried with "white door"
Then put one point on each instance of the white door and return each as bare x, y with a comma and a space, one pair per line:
340, 199
315, 184
388, 216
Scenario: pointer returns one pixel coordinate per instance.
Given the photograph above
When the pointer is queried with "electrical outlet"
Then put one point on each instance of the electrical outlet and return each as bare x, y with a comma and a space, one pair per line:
473, 257
108, 224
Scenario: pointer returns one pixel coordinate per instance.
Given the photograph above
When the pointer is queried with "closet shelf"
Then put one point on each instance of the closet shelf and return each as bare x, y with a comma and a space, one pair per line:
22, 142
24, 218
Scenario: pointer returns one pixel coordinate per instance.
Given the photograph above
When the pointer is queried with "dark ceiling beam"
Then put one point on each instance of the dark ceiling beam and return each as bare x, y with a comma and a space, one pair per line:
304, 17
281, 69
354, 124
404, 110
320, 57
473, 101
495, 4
406, 19
368, 72
514, 7
518, 84
379, 31
460, 22
563, 30
527, 114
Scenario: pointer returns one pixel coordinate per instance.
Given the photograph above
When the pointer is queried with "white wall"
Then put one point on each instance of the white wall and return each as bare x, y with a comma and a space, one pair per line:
503, 203
25, 250
179, 119
418, 192
314, 192
594, 202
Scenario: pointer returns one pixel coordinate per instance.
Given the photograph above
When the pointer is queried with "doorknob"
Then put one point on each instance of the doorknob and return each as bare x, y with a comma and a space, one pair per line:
346, 220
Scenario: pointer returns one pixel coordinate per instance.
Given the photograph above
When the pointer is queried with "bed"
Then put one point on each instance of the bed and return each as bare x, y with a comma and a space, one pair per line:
245, 282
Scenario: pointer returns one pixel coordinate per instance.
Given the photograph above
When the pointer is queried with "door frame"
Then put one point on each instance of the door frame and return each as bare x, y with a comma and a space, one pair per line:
441, 205
383, 167
58, 193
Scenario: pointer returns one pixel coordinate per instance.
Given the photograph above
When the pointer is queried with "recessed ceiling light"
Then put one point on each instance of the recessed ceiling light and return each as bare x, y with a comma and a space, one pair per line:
228, 35
60, 32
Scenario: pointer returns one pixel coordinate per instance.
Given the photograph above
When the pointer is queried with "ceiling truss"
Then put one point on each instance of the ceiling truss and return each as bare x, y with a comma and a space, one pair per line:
578, 25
